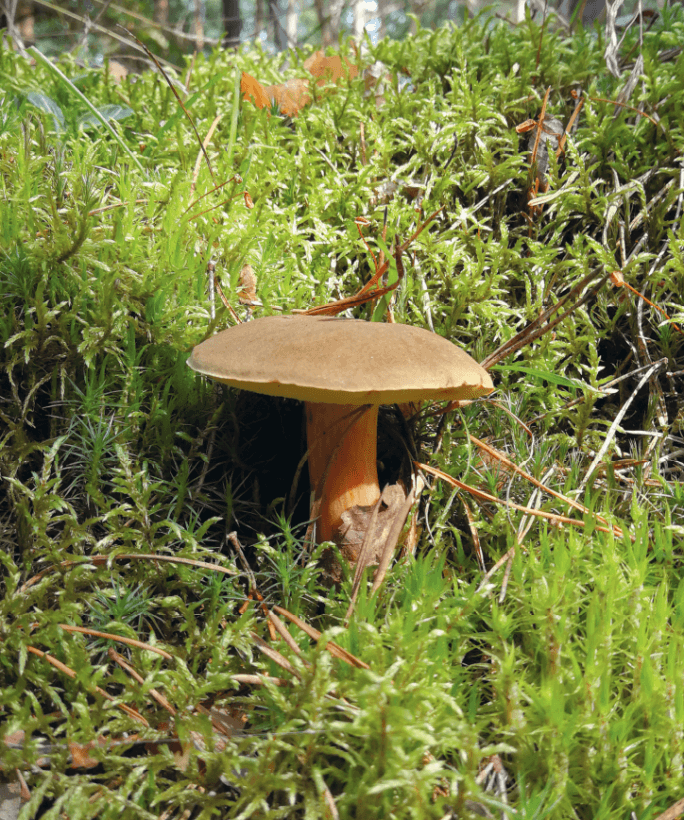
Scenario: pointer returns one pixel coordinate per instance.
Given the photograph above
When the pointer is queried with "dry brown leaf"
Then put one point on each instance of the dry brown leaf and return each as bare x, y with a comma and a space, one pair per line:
290, 96
16, 740
248, 283
117, 71
80, 757
181, 754
80, 753
675, 811
371, 525
335, 649
411, 537
228, 721
401, 513
331, 68
252, 89
352, 532
409, 409
550, 135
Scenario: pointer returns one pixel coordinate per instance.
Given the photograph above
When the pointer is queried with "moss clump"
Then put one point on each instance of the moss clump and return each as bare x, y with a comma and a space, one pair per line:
110, 446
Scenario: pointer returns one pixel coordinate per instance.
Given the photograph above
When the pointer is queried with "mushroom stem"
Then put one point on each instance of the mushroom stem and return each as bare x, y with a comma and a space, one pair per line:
342, 440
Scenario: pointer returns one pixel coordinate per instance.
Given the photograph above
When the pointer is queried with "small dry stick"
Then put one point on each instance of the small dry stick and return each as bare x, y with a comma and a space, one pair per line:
236, 178
110, 636
675, 811
253, 592
604, 390
568, 129
540, 125
475, 536
284, 634
98, 560
504, 558
372, 290
177, 96
226, 303
71, 674
556, 519
205, 143
507, 575
512, 466
123, 663
335, 649
618, 280
543, 323
275, 656
659, 365
259, 680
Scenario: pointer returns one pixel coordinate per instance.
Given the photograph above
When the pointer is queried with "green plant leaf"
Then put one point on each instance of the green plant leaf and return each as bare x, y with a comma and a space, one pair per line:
48, 105
52, 67
107, 112
552, 378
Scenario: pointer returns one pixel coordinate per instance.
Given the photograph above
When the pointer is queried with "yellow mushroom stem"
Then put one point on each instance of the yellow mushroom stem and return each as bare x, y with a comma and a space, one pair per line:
342, 441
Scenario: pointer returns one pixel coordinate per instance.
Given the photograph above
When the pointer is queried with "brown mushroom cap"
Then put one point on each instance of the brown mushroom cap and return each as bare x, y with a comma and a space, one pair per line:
340, 361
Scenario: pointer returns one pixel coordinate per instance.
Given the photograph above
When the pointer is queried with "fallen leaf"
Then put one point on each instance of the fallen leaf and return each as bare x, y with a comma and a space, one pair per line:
252, 89
248, 282
409, 409
117, 71
80, 753
330, 68
290, 96
552, 131
354, 529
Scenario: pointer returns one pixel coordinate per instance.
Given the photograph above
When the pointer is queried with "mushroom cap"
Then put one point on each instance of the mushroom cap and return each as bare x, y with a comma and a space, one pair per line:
340, 361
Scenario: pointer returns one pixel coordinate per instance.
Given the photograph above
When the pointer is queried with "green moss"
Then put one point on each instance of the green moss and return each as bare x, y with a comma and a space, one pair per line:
110, 446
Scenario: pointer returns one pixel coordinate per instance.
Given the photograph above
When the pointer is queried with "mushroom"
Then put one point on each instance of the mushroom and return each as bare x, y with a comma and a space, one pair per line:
343, 369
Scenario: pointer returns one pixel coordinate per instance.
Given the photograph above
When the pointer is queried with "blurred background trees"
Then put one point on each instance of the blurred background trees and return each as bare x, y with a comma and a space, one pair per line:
170, 28
175, 27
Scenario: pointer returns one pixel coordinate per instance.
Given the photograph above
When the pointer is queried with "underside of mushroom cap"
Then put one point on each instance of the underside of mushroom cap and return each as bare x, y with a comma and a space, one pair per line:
340, 361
